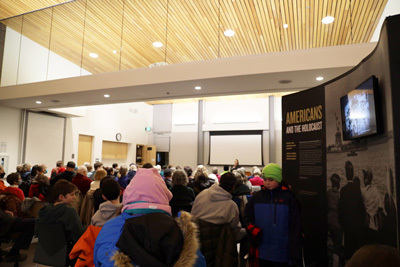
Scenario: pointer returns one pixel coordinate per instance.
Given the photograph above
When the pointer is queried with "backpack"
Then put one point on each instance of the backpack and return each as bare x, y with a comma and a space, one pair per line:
11, 203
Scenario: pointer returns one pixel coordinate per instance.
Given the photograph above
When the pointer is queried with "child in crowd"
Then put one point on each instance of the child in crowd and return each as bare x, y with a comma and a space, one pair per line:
146, 217
272, 219
14, 179
63, 193
111, 208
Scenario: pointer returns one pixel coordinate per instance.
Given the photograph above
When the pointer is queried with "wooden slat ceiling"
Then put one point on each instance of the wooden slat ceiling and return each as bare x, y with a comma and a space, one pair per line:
12, 8
191, 30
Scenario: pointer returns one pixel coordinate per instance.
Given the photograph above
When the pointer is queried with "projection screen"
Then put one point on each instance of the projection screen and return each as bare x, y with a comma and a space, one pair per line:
226, 146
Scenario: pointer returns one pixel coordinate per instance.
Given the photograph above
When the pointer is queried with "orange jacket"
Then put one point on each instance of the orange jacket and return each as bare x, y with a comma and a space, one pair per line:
84, 247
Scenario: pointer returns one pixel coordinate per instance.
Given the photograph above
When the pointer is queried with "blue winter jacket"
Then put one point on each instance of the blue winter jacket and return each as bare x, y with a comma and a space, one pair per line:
108, 237
276, 213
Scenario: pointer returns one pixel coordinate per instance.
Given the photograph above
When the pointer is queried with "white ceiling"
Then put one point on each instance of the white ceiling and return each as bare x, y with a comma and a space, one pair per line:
230, 76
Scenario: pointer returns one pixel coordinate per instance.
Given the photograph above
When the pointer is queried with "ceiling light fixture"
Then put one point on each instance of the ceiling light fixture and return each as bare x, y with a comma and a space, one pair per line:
198, 88
114, 51
106, 95
229, 33
285, 26
328, 20
38, 102
320, 78
157, 44
93, 55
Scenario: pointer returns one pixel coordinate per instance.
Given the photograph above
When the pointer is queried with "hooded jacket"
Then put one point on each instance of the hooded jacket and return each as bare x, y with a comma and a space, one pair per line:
106, 212
65, 215
215, 205
276, 213
145, 195
146, 242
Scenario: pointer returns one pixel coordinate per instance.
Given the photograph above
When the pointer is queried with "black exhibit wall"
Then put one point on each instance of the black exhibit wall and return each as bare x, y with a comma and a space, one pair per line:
347, 189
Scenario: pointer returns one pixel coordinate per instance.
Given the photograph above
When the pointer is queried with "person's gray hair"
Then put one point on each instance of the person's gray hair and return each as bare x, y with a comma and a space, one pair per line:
133, 167
82, 169
257, 172
179, 178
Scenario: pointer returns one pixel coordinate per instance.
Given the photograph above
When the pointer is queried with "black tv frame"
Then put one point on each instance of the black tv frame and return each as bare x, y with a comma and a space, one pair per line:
377, 110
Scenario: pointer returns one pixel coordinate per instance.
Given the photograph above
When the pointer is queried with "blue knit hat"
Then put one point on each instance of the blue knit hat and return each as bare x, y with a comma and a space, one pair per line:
273, 171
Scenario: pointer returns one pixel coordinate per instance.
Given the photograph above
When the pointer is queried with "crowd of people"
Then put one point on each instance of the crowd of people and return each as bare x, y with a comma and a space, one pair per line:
153, 216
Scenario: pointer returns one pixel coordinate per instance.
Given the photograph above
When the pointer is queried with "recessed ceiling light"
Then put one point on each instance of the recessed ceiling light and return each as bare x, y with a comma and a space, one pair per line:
157, 44
285, 26
93, 55
328, 20
106, 95
38, 102
285, 81
320, 78
229, 33
114, 51
198, 88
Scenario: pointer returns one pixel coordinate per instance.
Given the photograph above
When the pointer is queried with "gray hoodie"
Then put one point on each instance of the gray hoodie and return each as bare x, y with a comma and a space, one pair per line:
106, 212
215, 205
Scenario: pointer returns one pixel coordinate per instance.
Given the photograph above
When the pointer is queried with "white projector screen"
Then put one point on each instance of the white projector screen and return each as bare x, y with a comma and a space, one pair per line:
245, 146
44, 139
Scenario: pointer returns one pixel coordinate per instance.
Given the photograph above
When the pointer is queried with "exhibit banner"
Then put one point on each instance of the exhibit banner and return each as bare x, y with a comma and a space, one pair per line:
304, 165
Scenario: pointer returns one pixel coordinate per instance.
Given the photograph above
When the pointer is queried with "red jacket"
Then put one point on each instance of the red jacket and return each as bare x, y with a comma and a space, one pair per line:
84, 247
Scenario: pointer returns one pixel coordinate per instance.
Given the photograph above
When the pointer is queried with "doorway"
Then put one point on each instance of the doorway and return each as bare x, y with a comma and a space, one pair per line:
162, 158
85, 149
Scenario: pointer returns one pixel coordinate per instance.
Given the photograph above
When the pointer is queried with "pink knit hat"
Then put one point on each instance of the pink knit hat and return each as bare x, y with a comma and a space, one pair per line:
146, 193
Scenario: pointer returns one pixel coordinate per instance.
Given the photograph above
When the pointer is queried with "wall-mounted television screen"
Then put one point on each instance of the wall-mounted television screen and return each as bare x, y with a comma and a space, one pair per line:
359, 111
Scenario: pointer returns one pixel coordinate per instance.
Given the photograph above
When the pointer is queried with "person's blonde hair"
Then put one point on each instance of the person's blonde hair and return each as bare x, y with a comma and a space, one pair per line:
100, 174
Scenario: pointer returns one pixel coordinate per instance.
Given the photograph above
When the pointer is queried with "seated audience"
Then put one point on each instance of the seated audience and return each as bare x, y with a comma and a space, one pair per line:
14, 179
111, 208
168, 178
132, 171
63, 193
188, 170
116, 169
183, 196
68, 174
256, 180
81, 180
375, 255
123, 178
55, 171
26, 172
97, 165
123, 241
2, 174
99, 175
201, 180
10, 223
110, 171
89, 168
40, 187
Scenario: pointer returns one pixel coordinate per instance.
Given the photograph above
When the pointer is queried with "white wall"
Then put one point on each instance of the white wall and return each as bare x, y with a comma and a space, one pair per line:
9, 135
244, 114
104, 122
26, 61
241, 114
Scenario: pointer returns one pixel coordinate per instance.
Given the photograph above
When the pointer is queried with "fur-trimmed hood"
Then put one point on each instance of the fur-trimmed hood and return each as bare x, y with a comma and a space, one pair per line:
187, 256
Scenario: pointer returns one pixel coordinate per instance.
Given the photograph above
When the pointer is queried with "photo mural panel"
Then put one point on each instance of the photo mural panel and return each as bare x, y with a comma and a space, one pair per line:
361, 182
